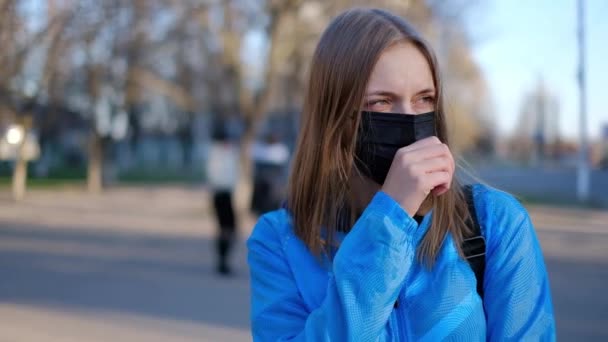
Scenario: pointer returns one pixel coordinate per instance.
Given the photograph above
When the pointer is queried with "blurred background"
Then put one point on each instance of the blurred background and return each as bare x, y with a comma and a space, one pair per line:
109, 109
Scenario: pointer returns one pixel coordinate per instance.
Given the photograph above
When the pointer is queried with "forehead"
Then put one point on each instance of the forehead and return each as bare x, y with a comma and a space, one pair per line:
401, 68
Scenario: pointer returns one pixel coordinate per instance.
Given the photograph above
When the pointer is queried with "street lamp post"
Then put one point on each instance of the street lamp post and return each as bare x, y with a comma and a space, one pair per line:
583, 164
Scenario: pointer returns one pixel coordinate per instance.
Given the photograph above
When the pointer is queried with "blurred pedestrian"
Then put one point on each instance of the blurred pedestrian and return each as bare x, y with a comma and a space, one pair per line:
270, 159
222, 174
378, 241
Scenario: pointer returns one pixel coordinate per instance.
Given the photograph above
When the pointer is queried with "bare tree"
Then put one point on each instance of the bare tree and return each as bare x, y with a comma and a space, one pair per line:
19, 101
109, 42
193, 54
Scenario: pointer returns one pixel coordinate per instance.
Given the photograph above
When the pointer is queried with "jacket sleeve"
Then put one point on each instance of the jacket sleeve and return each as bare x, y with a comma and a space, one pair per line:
368, 273
517, 297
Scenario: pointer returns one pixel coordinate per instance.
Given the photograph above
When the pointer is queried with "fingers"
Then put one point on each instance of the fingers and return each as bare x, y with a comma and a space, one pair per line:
426, 142
440, 190
424, 152
430, 156
435, 175
421, 164
437, 180
441, 163
417, 170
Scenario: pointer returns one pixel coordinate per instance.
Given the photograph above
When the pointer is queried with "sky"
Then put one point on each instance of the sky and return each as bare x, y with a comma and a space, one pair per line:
519, 42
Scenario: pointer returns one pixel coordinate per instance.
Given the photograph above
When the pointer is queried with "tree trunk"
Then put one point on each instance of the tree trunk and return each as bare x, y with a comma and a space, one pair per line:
95, 164
244, 188
20, 174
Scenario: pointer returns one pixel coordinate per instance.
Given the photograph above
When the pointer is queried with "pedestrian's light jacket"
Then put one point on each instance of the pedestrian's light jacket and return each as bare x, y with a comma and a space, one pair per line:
296, 297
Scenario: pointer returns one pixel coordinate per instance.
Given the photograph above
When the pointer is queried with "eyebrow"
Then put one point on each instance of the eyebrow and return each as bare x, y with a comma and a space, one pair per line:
382, 93
391, 94
426, 91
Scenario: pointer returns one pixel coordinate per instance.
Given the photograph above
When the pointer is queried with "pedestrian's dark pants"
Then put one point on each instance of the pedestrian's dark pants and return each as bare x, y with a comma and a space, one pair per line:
222, 202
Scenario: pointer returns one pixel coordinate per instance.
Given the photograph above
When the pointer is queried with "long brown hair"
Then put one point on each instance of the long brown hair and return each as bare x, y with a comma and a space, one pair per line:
319, 194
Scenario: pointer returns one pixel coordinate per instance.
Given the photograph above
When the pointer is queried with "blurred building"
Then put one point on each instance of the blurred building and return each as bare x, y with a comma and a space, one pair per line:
603, 157
537, 138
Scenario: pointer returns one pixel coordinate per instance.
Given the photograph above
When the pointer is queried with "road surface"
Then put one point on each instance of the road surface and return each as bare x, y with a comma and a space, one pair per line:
136, 264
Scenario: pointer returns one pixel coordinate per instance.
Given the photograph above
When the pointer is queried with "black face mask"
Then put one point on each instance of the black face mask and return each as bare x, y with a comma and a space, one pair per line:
382, 134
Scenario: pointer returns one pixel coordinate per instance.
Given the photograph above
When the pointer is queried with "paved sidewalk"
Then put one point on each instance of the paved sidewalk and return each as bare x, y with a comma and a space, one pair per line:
133, 264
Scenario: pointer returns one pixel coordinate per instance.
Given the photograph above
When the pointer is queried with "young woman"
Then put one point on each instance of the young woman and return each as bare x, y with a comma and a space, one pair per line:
369, 246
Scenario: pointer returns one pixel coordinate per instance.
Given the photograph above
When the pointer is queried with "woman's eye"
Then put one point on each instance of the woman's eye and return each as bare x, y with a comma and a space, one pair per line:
425, 103
378, 103
428, 99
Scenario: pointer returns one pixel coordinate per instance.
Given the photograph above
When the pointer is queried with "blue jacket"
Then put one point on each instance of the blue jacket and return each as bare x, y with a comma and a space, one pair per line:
296, 297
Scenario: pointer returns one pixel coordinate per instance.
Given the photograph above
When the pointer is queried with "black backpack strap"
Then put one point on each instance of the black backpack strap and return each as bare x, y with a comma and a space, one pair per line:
474, 246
